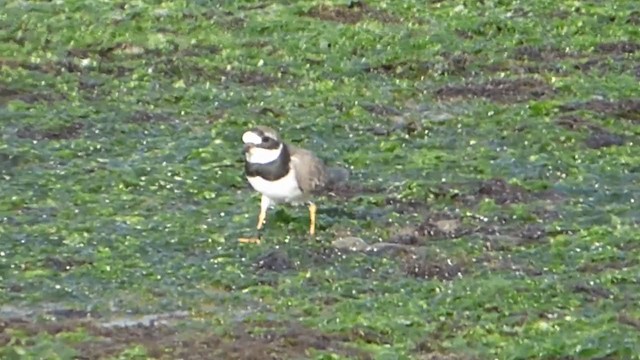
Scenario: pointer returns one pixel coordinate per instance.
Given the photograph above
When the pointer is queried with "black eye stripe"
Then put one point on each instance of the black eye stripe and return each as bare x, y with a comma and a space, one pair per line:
270, 144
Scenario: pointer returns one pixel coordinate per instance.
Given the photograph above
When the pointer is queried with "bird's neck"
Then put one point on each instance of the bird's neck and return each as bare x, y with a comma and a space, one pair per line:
273, 170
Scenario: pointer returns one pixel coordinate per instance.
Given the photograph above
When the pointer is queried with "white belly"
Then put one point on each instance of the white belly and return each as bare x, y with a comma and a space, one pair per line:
282, 190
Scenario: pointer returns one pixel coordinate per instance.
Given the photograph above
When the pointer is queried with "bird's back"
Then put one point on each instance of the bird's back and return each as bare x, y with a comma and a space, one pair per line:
312, 174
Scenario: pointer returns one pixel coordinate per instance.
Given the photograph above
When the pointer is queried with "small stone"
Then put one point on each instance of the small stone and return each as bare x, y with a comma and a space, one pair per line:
602, 139
350, 243
434, 116
448, 226
274, 260
380, 131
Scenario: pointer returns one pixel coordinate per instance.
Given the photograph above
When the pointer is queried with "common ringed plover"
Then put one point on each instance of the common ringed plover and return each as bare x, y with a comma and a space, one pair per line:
284, 173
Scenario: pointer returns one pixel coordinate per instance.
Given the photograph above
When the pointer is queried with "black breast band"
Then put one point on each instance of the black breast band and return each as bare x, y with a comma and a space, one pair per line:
271, 171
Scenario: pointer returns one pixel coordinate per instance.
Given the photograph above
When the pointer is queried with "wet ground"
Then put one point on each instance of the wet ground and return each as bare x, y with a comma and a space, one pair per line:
492, 209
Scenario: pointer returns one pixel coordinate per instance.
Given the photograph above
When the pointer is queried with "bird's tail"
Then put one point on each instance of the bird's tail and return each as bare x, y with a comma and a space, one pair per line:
337, 175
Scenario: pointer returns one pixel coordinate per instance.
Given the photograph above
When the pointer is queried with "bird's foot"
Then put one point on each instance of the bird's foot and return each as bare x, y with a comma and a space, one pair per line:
254, 240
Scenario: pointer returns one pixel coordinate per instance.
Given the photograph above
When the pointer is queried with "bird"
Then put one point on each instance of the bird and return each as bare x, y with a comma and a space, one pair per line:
284, 173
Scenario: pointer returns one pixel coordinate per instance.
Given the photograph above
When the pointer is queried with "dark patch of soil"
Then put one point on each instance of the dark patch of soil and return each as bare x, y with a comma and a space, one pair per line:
502, 192
407, 236
350, 190
589, 65
499, 90
66, 132
560, 14
605, 65
89, 87
611, 57
433, 228
267, 111
92, 89
597, 267
273, 260
205, 50
285, 341
70, 63
232, 22
48, 68
145, 117
257, 6
464, 34
275, 340
352, 13
249, 78
500, 232
506, 239
629, 320
446, 63
548, 59
598, 138
225, 19
443, 356
8, 94
594, 292
380, 131
533, 232
380, 109
63, 263
622, 47
439, 269
369, 336
603, 139
399, 124
14, 64
33, 328
634, 18
406, 206
69, 314
185, 68
13, 287
489, 263
574, 122
540, 53
626, 109
457, 64
114, 70
430, 348
323, 256
158, 340
525, 69
402, 69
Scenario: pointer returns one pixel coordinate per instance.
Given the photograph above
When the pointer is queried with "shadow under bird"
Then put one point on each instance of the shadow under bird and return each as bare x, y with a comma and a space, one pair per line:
284, 173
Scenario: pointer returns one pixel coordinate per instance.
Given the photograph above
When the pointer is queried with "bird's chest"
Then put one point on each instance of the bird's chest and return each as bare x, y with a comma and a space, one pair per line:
285, 189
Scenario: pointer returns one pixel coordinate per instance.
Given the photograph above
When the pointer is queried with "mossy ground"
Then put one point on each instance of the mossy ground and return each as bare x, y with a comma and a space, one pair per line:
494, 148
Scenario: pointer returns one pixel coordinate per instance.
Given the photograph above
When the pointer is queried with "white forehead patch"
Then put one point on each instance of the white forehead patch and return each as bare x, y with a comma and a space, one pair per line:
250, 137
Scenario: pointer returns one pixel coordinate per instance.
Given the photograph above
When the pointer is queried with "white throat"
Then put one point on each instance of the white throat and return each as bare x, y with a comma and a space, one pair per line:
258, 155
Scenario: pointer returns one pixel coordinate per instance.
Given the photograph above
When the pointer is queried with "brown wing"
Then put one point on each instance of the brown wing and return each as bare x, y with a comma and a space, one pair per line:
311, 172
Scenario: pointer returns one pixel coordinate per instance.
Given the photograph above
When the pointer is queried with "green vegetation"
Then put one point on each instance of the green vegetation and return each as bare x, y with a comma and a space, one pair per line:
496, 179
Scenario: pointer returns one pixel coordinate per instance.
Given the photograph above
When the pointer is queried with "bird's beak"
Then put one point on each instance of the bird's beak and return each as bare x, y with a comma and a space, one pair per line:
247, 147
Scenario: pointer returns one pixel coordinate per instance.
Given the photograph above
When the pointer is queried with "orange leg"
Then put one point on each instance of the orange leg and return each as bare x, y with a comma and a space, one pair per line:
312, 217
262, 219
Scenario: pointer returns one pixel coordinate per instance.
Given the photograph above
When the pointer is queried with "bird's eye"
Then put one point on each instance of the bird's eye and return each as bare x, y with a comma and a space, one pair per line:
265, 139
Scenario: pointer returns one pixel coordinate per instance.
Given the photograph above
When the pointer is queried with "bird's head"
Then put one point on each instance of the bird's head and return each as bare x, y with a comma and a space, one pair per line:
262, 145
